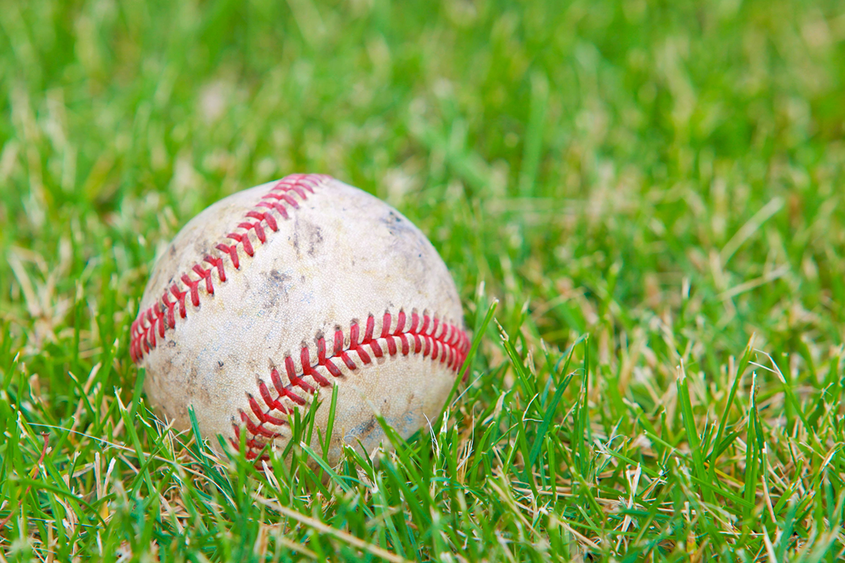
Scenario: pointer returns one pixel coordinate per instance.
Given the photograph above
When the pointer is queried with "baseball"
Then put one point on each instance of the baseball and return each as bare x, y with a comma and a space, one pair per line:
275, 295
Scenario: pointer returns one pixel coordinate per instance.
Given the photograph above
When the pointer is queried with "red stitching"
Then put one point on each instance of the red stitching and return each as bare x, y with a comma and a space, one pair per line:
160, 317
193, 286
180, 297
266, 217
171, 307
283, 197
450, 347
259, 231
250, 442
232, 251
285, 390
279, 208
305, 360
217, 263
204, 275
290, 368
143, 331
245, 242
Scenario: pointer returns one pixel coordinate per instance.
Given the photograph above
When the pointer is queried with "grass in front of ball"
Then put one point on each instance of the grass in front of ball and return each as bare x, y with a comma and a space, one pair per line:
652, 194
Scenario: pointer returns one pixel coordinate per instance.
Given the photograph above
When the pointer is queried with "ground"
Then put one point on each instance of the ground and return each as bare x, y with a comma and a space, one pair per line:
643, 207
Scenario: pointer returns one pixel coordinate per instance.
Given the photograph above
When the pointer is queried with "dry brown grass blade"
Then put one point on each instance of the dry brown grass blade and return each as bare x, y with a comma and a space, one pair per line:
334, 532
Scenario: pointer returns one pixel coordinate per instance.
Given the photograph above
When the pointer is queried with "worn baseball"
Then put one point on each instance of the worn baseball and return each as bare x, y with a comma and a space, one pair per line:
274, 296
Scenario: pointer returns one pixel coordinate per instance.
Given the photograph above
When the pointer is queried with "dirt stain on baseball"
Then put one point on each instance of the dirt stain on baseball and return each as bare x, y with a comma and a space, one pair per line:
277, 288
306, 235
192, 381
394, 223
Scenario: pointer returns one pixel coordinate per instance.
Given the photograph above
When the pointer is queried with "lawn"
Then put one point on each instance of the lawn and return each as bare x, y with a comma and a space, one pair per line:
642, 204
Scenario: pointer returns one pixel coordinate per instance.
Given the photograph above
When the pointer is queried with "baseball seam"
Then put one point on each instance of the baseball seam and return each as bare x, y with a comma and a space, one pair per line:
412, 334
152, 323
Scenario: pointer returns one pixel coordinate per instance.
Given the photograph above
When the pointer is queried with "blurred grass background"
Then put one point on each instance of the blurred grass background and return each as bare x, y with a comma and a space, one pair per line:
668, 177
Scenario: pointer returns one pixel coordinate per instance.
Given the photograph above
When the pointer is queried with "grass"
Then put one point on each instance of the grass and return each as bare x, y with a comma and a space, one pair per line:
643, 207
